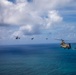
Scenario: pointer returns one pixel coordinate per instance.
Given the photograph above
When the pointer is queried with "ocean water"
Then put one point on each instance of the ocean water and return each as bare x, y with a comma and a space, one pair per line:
43, 59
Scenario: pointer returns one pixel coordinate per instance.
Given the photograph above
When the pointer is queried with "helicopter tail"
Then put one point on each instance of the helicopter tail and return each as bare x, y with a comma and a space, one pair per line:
69, 46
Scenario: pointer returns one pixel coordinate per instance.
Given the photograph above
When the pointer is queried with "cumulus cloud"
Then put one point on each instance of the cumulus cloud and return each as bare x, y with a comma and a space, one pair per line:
31, 16
23, 12
53, 18
30, 30
34, 28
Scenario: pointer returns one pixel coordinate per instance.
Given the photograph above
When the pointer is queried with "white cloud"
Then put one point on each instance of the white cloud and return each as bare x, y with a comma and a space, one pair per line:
53, 18
32, 17
30, 30
36, 27
22, 12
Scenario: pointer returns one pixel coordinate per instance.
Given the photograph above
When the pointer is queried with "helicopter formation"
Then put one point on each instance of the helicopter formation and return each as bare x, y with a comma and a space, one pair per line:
32, 38
17, 37
63, 44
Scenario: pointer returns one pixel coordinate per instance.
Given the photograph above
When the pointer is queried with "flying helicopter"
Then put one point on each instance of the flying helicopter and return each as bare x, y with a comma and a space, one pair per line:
17, 37
64, 45
32, 38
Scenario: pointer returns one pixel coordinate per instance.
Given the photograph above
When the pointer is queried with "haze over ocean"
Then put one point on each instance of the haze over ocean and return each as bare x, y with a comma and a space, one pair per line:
42, 59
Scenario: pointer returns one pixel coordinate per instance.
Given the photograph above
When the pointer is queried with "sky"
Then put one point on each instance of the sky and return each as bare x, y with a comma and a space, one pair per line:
41, 19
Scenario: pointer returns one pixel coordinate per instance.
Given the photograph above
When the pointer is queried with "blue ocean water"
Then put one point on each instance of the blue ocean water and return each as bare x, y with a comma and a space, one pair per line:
43, 59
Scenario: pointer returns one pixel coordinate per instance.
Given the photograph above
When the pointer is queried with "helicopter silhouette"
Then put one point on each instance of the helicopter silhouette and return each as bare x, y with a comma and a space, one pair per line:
17, 37
32, 38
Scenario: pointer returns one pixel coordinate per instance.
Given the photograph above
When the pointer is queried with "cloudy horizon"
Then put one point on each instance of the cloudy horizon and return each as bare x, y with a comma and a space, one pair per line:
37, 18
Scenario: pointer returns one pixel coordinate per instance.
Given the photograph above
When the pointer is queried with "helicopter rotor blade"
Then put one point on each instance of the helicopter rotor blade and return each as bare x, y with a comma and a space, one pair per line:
58, 39
62, 39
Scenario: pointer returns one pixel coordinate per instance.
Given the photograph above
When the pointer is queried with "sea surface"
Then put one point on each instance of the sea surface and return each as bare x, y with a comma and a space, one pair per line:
41, 59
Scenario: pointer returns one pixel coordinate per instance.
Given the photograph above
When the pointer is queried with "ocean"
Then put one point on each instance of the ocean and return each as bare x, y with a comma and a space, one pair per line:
39, 59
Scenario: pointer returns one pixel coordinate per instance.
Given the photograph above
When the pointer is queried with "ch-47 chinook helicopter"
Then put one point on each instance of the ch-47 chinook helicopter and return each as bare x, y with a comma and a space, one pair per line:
64, 45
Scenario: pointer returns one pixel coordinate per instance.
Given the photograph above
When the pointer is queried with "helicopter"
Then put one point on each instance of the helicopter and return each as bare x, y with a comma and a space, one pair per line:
17, 37
64, 45
32, 38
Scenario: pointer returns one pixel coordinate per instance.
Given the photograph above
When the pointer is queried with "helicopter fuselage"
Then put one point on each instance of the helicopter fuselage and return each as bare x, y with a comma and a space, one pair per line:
68, 46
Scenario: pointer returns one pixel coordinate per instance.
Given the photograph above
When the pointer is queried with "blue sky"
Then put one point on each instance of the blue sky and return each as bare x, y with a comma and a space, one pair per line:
39, 19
